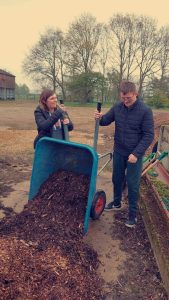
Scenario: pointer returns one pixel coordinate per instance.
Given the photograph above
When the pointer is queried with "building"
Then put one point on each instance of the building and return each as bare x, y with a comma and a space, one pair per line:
7, 85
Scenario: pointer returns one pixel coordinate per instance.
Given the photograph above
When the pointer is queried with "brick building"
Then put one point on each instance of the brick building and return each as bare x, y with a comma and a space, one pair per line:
7, 85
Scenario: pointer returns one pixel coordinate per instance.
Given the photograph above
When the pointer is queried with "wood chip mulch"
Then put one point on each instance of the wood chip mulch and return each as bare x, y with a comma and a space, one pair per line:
42, 252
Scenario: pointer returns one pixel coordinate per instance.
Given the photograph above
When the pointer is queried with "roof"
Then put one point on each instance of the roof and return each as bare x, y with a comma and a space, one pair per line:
6, 73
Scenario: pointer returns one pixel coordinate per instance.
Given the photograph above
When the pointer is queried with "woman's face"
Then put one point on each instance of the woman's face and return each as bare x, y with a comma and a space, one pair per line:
51, 102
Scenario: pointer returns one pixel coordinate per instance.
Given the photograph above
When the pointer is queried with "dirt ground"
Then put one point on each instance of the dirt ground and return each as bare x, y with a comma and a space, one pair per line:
127, 263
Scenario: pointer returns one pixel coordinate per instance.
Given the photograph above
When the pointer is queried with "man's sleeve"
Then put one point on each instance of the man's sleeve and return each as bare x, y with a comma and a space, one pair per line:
108, 118
147, 134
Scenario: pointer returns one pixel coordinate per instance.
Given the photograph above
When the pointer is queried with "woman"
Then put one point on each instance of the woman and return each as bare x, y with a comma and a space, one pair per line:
50, 117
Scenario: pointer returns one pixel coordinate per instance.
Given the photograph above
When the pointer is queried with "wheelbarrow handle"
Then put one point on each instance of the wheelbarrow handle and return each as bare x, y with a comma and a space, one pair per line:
65, 127
158, 159
96, 131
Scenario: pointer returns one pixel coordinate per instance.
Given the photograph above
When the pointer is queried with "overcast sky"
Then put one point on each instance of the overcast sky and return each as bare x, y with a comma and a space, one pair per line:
22, 22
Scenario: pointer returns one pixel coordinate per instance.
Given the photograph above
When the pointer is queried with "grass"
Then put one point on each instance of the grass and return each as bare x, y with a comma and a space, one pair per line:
68, 103
77, 104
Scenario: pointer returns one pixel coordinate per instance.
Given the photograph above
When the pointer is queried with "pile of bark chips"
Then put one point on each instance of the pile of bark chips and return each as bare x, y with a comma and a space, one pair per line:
42, 252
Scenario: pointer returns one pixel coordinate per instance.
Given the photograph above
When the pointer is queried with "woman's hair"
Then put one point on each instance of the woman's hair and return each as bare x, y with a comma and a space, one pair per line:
127, 87
46, 93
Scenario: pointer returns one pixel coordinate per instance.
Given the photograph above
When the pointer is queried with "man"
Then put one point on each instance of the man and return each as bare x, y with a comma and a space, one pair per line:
134, 132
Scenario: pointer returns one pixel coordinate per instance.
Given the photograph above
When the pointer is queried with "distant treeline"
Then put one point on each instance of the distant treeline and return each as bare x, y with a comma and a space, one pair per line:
89, 61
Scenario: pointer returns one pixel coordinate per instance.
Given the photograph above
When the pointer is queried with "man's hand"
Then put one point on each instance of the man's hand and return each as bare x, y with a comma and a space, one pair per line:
132, 159
97, 115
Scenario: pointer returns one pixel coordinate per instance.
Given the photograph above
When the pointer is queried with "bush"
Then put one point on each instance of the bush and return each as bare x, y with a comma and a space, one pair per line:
158, 100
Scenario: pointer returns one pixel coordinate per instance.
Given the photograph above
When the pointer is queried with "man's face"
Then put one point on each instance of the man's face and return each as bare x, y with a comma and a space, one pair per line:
129, 98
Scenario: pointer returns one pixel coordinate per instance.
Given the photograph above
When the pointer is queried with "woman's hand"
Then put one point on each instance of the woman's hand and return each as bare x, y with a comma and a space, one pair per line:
58, 123
97, 115
65, 121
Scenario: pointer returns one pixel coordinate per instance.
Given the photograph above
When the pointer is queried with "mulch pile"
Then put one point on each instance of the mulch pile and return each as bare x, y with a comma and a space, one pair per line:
42, 253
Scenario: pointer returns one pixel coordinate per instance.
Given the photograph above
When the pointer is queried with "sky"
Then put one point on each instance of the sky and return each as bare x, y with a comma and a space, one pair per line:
22, 22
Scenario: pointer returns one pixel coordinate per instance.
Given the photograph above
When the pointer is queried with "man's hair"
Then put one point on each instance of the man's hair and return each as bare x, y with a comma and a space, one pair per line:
127, 87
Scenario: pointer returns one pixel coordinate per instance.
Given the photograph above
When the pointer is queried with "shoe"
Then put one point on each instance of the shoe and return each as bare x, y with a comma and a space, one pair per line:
131, 222
112, 206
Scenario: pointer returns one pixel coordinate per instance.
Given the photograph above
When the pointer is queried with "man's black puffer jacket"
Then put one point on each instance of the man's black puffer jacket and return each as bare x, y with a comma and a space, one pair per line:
134, 127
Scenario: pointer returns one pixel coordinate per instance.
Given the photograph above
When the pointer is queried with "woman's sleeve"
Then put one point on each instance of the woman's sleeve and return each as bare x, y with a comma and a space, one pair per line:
70, 125
43, 123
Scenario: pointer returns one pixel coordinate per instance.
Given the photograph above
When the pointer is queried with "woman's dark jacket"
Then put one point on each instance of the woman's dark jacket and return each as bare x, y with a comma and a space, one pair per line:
45, 122
134, 127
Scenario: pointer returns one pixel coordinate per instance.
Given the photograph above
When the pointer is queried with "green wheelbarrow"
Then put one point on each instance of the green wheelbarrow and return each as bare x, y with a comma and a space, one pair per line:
74, 157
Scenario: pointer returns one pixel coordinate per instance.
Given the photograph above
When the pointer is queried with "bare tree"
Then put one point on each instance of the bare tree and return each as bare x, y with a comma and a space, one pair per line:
135, 47
125, 44
104, 49
104, 53
82, 40
164, 52
148, 51
46, 63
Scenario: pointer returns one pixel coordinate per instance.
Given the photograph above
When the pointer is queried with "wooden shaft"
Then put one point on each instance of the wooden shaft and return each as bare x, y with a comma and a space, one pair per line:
150, 166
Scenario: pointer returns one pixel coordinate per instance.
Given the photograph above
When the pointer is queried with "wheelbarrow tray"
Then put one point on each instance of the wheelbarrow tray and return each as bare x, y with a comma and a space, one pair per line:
52, 155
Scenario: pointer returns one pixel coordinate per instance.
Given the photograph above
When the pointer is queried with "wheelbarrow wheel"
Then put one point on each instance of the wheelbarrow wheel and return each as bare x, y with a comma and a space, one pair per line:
98, 204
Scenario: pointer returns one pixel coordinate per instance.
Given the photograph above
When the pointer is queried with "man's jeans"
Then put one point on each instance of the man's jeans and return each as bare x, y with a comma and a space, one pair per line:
132, 171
